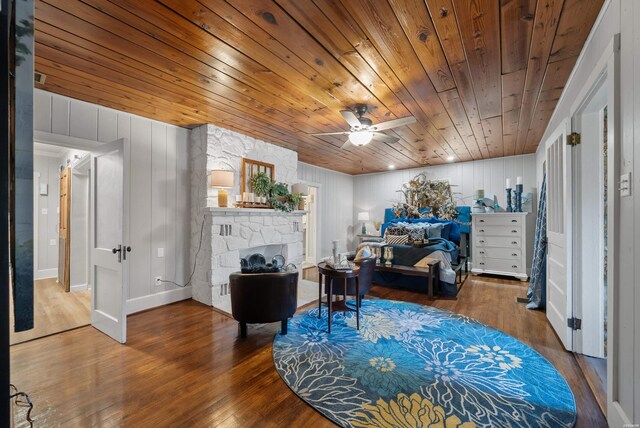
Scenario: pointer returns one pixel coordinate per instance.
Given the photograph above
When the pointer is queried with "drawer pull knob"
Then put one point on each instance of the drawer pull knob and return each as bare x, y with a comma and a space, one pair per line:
514, 221
481, 230
513, 242
514, 266
514, 231
481, 221
482, 263
482, 241
514, 254
481, 252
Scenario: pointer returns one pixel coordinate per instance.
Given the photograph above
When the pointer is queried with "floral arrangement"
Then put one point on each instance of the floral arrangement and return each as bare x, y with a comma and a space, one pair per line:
420, 193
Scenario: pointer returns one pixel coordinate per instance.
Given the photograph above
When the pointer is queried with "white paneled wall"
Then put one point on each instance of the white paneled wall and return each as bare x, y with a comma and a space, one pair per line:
159, 204
335, 206
46, 171
375, 192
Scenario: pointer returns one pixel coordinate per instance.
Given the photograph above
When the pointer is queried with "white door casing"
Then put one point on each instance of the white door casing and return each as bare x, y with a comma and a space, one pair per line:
110, 238
559, 299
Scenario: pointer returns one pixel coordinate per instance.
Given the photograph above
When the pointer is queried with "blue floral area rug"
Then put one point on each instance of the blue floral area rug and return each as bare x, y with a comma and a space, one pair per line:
418, 366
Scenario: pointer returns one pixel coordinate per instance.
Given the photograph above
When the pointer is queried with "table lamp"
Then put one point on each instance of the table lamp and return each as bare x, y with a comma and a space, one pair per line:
222, 180
363, 217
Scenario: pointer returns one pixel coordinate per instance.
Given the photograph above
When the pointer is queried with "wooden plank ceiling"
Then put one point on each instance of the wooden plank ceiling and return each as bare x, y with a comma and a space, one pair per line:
482, 77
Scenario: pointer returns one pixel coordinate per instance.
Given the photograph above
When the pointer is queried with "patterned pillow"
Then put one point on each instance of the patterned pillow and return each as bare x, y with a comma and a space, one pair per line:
416, 234
397, 239
395, 230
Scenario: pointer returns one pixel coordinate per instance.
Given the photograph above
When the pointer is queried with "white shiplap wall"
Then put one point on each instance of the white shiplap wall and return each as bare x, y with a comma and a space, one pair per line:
375, 192
159, 194
46, 225
335, 206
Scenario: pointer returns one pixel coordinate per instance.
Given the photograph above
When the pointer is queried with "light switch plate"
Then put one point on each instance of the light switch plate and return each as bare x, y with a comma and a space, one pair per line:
52, 242
45, 211
160, 252
625, 184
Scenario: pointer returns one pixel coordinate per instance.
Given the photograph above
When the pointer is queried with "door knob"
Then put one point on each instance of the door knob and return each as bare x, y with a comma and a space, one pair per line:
118, 251
126, 249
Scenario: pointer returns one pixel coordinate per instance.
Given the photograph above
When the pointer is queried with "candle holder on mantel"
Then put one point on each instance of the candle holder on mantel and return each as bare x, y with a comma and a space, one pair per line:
509, 206
518, 192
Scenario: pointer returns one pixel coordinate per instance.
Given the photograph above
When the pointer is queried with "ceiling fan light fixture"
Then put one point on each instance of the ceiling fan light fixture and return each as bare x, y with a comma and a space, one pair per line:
360, 138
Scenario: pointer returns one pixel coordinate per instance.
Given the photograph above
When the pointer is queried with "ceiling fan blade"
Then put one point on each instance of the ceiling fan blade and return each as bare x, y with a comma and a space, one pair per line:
332, 133
350, 117
346, 144
384, 138
393, 123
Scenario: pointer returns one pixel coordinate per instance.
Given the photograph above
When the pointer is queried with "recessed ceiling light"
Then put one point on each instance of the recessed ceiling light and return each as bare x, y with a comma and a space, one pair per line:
451, 158
392, 167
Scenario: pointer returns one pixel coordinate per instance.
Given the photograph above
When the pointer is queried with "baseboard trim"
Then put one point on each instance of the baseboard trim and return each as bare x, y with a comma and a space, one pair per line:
45, 274
78, 287
143, 303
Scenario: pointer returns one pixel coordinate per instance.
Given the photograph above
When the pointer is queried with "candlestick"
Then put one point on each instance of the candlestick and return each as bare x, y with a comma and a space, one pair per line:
519, 179
509, 207
508, 183
519, 189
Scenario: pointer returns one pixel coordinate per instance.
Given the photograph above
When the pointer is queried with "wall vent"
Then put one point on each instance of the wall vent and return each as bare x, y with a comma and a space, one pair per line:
40, 78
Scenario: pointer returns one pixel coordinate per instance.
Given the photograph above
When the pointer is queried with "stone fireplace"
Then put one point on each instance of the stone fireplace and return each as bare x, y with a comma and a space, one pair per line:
229, 234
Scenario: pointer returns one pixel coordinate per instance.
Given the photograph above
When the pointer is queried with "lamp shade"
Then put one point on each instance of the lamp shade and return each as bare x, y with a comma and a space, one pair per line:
221, 179
363, 216
360, 138
300, 188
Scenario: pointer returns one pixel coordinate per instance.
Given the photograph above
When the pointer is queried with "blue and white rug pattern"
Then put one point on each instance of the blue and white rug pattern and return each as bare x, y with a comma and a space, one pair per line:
411, 365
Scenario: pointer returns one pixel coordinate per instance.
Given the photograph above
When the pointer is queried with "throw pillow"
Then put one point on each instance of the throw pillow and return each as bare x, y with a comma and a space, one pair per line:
363, 253
397, 239
416, 234
434, 231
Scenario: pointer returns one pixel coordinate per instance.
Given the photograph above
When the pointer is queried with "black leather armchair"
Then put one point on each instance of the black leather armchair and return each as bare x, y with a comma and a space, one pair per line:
367, 268
263, 298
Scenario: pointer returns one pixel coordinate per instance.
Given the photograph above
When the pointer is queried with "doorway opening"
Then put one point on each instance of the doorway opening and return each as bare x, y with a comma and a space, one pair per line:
310, 226
61, 203
591, 232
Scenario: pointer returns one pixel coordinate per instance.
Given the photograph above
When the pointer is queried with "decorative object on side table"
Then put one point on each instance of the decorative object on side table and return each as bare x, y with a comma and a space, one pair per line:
388, 256
222, 180
376, 225
334, 250
363, 217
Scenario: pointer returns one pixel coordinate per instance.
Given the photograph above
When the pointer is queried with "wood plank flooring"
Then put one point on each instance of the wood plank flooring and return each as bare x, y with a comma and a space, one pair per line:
54, 311
184, 365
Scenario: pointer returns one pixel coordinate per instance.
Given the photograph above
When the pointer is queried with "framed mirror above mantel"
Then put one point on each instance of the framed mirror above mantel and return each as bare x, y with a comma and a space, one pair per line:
251, 167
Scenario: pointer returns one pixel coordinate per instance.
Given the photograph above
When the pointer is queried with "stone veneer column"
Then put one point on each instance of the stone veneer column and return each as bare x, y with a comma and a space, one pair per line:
211, 148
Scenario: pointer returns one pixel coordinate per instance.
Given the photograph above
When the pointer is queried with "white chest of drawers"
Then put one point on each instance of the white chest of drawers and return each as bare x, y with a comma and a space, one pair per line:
500, 243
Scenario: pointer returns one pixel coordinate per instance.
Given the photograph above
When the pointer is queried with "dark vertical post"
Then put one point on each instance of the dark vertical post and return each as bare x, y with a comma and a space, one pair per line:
4, 208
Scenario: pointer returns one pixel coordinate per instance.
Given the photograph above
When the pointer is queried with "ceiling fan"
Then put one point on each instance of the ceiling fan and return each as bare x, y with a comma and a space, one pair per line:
362, 130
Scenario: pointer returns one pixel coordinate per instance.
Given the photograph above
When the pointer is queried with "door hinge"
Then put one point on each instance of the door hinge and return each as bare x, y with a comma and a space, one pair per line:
573, 139
574, 323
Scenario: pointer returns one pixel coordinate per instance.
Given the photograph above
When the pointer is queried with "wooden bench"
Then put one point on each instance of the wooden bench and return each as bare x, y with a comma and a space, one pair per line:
432, 273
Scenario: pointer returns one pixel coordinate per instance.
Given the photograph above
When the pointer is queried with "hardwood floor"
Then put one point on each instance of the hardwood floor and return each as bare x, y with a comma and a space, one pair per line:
184, 365
54, 311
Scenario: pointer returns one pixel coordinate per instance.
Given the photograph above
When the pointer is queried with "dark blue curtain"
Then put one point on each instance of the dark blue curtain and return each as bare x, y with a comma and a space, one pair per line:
537, 292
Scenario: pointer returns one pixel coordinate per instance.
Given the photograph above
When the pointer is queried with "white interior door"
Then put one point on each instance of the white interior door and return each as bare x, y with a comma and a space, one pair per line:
558, 234
109, 238
589, 291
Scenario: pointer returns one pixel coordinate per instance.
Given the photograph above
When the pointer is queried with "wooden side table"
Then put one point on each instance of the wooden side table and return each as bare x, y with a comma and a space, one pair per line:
330, 275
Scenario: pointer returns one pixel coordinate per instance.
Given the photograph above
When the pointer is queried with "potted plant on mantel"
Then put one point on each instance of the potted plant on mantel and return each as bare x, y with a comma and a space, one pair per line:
261, 185
276, 195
